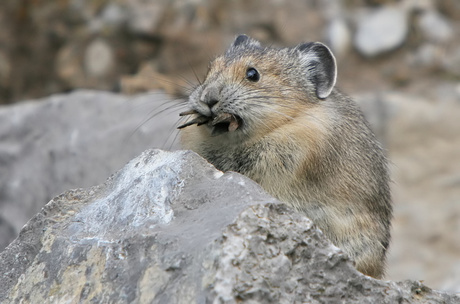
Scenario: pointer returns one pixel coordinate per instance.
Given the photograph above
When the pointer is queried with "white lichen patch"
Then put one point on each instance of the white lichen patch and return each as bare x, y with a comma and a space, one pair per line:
141, 192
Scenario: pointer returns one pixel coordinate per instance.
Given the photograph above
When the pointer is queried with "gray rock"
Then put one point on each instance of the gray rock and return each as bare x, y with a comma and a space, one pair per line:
381, 30
68, 65
70, 141
338, 37
424, 148
435, 27
427, 55
99, 59
145, 16
114, 15
169, 228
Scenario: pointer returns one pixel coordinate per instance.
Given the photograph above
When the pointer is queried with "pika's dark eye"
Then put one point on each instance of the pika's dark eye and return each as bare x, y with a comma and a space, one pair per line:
252, 75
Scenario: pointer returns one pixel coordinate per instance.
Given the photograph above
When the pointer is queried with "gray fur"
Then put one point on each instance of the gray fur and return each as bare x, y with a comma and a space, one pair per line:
244, 42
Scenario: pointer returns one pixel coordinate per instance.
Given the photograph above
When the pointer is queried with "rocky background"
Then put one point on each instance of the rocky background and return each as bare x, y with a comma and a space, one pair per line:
399, 59
54, 46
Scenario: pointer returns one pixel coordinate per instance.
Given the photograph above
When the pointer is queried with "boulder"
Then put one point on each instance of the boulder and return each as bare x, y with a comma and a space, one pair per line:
381, 30
435, 27
339, 37
73, 140
170, 228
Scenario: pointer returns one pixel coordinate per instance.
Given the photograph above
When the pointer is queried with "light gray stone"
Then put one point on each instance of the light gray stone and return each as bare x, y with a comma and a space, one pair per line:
114, 15
170, 228
339, 37
381, 30
427, 55
73, 140
145, 16
99, 59
435, 27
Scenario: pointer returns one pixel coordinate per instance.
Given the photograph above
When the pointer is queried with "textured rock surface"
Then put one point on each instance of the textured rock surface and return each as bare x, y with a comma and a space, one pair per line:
169, 228
71, 141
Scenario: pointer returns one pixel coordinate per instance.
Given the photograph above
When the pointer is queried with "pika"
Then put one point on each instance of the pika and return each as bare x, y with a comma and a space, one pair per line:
275, 116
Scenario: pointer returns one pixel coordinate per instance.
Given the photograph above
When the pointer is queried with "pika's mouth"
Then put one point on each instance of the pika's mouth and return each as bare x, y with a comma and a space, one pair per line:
221, 123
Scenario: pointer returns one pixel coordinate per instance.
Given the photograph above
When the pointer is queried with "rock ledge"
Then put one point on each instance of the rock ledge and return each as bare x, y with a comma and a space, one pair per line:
170, 228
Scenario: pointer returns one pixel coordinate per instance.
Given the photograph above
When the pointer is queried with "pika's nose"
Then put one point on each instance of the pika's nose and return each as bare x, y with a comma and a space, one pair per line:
210, 96
211, 102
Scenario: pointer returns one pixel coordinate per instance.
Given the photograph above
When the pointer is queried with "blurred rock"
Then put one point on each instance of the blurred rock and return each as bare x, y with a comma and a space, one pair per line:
295, 21
448, 92
180, 38
427, 55
114, 15
381, 30
451, 61
68, 65
450, 8
5, 69
99, 59
147, 79
424, 148
89, 64
339, 37
170, 228
7, 232
71, 141
452, 282
435, 27
418, 5
146, 16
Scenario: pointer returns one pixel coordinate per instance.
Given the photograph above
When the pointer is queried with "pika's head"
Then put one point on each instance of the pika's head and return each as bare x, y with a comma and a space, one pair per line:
252, 88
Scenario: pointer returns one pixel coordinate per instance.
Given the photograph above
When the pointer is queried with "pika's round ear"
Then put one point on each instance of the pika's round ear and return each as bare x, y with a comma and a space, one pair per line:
243, 40
320, 66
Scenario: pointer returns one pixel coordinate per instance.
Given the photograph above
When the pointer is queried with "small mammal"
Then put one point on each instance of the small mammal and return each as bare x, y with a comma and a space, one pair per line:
275, 116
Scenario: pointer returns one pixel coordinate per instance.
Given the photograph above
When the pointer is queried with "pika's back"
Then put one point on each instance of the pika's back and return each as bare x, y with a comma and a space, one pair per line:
275, 116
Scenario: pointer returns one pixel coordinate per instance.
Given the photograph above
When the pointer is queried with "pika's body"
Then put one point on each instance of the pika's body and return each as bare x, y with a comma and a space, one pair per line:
275, 116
